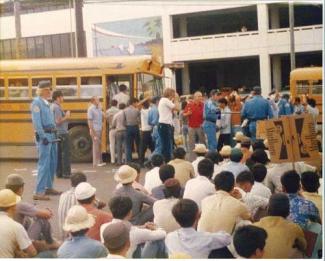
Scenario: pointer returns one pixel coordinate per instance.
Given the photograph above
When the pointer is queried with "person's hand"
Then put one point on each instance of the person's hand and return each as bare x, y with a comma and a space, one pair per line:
236, 194
67, 114
45, 141
150, 225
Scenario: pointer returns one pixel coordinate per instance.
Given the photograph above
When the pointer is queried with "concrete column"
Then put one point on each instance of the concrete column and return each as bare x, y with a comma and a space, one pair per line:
183, 26
275, 17
276, 72
265, 73
186, 80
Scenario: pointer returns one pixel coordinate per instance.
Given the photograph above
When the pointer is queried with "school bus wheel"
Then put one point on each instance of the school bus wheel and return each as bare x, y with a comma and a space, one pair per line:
80, 144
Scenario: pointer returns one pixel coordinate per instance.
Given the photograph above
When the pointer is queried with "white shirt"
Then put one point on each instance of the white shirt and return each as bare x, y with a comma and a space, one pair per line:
165, 109
234, 167
195, 163
152, 179
121, 97
198, 188
111, 256
195, 244
144, 120
216, 170
12, 235
225, 121
259, 189
163, 217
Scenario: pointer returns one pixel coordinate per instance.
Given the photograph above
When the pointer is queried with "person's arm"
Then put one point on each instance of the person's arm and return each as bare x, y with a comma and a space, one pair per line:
142, 235
300, 241
147, 199
90, 123
44, 213
269, 111
58, 116
24, 243
37, 121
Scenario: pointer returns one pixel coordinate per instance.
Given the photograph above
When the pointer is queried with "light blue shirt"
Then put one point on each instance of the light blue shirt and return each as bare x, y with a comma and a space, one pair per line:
59, 113
210, 111
235, 167
82, 247
225, 121
95, 115
257, 108
153, 115
194, 243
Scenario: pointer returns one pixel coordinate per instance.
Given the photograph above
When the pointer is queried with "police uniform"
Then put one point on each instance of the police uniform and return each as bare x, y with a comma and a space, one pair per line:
254, 110
210, 114
44, 126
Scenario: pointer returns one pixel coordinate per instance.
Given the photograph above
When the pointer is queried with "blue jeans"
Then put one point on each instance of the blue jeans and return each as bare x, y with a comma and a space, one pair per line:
156, 141
166, 137
132, 135
252, 130
151, 249
210, 130
47, 163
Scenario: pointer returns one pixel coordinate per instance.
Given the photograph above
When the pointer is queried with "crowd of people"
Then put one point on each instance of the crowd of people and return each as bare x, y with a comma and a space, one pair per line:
216, 196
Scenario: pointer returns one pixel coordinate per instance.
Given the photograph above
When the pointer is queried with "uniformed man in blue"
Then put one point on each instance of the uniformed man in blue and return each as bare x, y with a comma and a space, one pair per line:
255, 109
45, 132
211, 113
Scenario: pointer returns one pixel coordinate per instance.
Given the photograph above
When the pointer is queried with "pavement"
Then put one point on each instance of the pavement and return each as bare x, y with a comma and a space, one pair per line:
102, 178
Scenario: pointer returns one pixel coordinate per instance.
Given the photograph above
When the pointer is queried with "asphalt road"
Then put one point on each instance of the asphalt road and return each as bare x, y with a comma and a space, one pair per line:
102, 178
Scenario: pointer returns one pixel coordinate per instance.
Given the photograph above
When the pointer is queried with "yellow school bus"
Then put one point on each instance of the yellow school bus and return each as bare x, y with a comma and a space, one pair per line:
79, 80
308, 82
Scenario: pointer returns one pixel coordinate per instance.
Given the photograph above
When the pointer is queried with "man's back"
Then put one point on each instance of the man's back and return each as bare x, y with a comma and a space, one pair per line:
257, 108
184, 170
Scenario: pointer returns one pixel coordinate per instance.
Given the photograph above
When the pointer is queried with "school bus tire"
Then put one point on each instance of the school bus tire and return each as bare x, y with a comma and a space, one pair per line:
80, 144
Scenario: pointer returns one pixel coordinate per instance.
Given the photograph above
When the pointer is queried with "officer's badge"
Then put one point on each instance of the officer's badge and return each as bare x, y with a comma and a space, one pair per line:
36, 108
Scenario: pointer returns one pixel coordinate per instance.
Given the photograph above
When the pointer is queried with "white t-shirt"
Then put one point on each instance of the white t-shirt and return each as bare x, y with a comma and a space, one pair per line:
144, 120
12, 235
163, 217
195, 164
152, 179
121, 97
165, 109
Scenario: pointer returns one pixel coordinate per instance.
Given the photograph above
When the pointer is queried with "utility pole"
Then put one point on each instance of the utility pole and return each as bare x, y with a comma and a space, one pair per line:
81, 50
292, 36
18, 28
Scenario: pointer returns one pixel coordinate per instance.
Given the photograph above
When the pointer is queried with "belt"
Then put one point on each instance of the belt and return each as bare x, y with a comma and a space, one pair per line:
257, 119
214, 122
50, 130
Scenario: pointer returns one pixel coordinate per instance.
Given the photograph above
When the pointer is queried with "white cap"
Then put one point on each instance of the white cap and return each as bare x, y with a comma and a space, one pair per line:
84, 190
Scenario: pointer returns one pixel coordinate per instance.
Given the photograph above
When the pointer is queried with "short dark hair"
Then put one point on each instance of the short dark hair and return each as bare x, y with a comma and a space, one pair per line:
179, 153
77, 178
121, 106
214, 156
120, 206
259, 156
279, 205
245, 176
166, 171
285, 96
310, 181
259, 172
135, 166
224, 181
223, 101
157, 160
236, 157
248, 239
185, 212
86, 200
297, 99
133, 100
80, 232
258, 144
290, 180
172, 191
56, 94
311, 102
213, 92
14, 188
114, 103
122, 88
205, 168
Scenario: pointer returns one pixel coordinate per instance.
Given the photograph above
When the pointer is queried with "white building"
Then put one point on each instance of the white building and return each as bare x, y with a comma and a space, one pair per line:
222, 43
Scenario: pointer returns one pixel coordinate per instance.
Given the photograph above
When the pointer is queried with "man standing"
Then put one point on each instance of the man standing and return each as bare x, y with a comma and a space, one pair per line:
122, 96
194, 112
112, 132
95, 123
255, 109
63, 169
210, 114
153, 118
225, 124
45, 132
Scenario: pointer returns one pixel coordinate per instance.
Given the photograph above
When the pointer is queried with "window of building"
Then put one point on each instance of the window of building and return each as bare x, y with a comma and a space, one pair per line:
35, 82
68, 86
91, 86
18, 88
2, 89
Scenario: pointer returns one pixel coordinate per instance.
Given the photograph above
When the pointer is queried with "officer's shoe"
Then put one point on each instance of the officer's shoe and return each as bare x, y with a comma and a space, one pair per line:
52, 192
40, 197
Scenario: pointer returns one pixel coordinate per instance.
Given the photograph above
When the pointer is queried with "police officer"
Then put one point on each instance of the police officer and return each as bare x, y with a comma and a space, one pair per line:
255, 109
44, 126
210, 115
61, 118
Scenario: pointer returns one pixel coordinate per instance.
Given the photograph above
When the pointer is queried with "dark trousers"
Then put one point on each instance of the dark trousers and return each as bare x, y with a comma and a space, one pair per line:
63, 166
132, 135
146, 143
166, 136
224, 139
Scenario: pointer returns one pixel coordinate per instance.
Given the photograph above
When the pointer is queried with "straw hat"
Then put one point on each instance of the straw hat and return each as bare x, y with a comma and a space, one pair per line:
239, 136
200, 148
8, 198
125, 174
84, 190
225, 150
78, 219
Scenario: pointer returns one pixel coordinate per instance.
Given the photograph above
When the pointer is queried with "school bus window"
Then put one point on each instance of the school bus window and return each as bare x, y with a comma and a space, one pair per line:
2, 89
35, 82
317, 87
115, 81
302, 87
68, 86
18, 88
148, 86
91, 86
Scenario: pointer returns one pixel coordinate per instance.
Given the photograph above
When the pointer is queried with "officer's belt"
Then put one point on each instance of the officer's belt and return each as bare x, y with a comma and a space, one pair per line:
210, 121
49, 130
262, 119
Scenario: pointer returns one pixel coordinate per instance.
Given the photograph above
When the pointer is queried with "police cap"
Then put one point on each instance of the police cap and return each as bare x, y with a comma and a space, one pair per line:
44, 84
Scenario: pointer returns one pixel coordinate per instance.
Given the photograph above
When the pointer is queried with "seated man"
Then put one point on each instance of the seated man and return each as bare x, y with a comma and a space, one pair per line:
249, 241
189, 241
79, 245
117, 240
86, 195
234, 165
166, 171
126, 176
301, 210
35, 220
148, 234
284, 237
152, 179
200, 151
259, 172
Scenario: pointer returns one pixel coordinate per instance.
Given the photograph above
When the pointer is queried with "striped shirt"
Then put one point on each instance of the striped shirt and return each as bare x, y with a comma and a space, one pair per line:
67, 200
